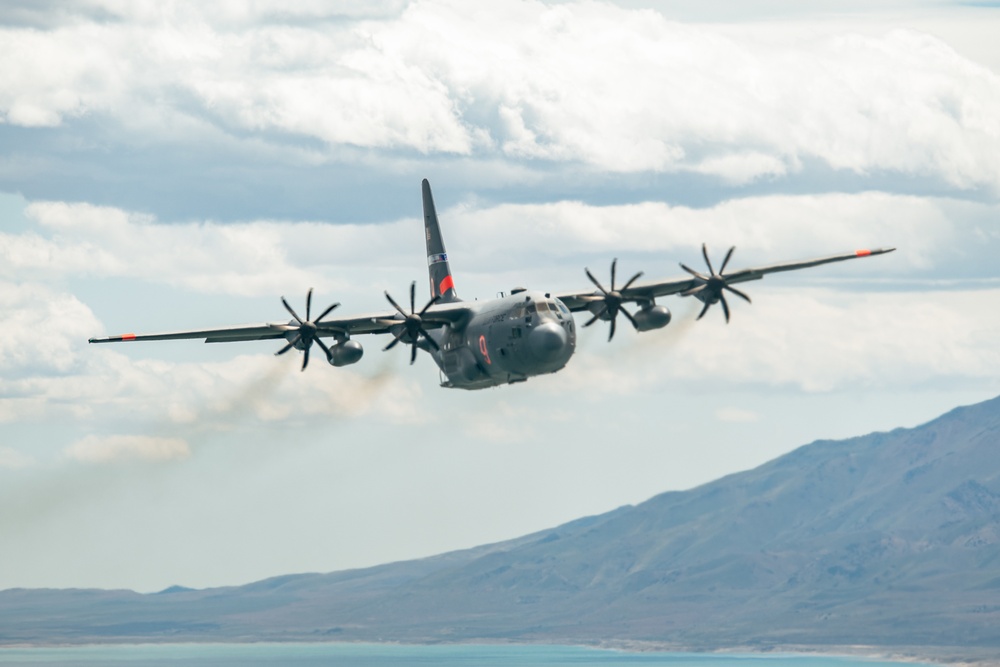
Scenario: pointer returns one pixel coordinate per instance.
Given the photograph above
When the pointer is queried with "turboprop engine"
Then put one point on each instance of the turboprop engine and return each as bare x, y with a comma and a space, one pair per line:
651, 317
345, 353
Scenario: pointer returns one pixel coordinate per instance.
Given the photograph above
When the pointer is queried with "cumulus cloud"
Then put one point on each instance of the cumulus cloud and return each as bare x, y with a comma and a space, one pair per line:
251, 258
42, 329
261, 257
764, 229
117, 448
617, 89
807, 339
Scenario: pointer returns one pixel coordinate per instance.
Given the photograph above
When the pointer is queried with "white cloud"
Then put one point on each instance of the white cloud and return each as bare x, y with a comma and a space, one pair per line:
936, 236
116, 448
42, 328
764, 229
618, 89
13, 459
195, 398
246, 259
804, 339
736, 415
819, 340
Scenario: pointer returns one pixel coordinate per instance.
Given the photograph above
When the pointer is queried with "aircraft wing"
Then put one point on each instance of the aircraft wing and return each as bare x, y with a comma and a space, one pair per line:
371, 323
647, 291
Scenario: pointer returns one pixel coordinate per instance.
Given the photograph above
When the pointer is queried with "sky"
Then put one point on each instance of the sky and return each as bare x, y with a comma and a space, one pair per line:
175, 165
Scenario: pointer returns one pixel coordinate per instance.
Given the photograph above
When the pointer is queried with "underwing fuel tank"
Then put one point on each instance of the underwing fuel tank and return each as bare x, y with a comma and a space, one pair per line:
653, 317
345, 353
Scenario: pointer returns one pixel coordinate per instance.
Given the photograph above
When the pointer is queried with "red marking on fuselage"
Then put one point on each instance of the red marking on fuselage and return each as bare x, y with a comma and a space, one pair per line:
128, 336
482, 348
863, 253
446, 284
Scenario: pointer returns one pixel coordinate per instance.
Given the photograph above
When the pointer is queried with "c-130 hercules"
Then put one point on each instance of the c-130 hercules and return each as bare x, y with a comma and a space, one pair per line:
479, 344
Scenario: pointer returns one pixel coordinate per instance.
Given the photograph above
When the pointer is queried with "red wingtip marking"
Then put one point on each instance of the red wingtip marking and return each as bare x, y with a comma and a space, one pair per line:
863, 253
446, 284
128, 336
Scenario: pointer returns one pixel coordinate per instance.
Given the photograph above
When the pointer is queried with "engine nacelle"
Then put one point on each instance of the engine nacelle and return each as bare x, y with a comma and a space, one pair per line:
651, 317
345, 353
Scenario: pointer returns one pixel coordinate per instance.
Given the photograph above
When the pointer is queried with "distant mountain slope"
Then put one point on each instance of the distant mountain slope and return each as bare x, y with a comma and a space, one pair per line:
891, 539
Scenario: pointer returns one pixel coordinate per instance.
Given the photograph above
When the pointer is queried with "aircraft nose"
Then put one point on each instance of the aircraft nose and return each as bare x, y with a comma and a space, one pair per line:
548, 341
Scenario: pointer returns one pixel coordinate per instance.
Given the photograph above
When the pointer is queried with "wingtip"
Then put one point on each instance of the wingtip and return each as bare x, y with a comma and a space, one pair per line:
875, 251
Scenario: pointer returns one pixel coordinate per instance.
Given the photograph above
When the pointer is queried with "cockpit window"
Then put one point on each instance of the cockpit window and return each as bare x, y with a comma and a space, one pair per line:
531, 307
562, 307
543, 307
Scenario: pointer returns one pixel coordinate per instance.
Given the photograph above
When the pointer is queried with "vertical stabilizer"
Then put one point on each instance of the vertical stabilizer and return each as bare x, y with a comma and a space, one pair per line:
442, 284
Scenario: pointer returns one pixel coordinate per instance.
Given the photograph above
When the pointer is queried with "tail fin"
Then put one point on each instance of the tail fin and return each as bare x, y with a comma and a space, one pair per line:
442, 284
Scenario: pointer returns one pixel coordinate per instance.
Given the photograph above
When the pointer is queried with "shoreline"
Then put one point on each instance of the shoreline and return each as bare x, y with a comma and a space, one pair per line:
950, 656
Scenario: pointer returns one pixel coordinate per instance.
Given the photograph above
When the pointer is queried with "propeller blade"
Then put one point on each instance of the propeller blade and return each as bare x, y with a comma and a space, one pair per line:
305, 358
725, 306
309, 301
611, 334
430, 341
291, 310
429, 304
413, 297
738, 293
327, 312
693, 272
631, 319
290, 345
393, 342
394, 304
597, 315
704, 310
326, 350
704, 253
694, 290
631, 280
594, 280
614, 264
726, 260
413, 353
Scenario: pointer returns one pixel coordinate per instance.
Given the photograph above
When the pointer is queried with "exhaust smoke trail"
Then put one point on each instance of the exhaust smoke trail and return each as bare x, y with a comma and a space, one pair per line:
32, 497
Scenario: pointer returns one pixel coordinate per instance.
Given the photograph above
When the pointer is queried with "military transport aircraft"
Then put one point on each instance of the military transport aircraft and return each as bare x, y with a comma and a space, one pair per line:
481, 344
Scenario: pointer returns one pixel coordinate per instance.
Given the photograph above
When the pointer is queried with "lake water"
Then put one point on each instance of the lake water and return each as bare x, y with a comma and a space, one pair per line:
383, 655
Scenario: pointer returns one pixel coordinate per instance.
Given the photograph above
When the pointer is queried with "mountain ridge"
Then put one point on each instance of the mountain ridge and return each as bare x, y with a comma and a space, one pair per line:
889, 539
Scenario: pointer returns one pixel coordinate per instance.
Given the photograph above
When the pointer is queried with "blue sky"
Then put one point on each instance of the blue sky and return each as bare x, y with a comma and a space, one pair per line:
170, 166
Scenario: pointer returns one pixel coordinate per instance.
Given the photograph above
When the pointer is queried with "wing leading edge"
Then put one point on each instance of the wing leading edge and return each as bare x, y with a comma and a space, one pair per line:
644, 292
709, 288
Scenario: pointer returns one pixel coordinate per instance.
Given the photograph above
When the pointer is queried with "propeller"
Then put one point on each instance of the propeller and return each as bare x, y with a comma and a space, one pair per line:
713, 285
306, 334
413, 324
611, 300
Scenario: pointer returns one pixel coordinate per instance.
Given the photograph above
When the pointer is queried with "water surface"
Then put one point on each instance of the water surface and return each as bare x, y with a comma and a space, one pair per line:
384, 655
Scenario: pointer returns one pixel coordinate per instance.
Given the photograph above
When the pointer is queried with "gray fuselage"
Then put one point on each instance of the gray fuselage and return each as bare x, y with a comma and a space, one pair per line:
505, 340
